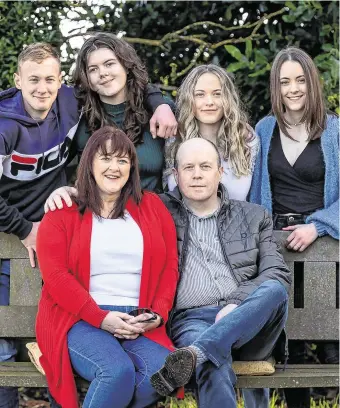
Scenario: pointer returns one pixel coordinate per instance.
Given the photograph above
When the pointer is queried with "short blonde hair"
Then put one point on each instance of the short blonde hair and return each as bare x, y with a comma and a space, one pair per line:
38, 52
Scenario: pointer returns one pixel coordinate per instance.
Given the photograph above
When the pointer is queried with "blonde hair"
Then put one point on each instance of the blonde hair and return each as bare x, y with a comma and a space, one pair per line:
38, 52
234, 131
314, 114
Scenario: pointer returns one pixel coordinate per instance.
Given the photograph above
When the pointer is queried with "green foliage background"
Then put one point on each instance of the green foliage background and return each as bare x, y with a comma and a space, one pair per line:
312, 25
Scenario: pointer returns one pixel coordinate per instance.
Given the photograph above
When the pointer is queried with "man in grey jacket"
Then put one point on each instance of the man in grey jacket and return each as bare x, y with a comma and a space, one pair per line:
233, 290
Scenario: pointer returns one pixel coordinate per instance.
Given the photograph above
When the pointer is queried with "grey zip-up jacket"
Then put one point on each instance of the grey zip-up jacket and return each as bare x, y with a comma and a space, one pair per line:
246, 234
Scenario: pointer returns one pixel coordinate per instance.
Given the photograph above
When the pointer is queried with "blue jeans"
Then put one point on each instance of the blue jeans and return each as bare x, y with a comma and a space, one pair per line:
249, 332
8, 395
119, 370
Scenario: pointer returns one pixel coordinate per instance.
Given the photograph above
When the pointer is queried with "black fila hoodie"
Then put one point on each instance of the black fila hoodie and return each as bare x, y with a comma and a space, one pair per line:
33, 156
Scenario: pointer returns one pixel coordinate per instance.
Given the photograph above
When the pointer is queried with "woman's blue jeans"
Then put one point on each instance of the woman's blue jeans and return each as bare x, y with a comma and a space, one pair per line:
8, 395
119, 370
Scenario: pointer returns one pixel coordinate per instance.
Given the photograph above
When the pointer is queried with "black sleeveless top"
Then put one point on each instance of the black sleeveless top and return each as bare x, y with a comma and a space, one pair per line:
298, 188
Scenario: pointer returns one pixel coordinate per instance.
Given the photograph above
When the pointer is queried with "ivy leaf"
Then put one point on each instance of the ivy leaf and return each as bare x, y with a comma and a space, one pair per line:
260, 58
290, 5
260, 71
235, 66
289, 18
327, 47
234, 52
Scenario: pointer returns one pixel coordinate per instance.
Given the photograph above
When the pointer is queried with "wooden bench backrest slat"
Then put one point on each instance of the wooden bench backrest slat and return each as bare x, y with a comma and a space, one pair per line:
325, 249
17, 321
11, 247
317, 319
25, 283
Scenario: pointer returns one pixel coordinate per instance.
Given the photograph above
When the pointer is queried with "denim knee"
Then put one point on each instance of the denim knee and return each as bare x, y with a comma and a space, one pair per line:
276, 289
119, 373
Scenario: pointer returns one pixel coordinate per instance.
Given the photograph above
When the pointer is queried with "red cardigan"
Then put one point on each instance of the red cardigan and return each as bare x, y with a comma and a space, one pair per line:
63, 248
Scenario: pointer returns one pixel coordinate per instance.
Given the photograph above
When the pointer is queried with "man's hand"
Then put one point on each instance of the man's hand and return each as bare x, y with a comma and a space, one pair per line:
301, 237
147, 326
55, 199
117, 324
163, 122
223, 312
30, 242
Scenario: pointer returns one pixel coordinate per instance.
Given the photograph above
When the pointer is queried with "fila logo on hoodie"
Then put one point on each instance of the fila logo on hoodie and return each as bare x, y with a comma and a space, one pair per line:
29, 167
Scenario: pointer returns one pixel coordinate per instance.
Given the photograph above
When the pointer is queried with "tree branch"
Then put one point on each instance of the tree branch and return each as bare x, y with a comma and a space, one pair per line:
236, 40
175, 75
200, 39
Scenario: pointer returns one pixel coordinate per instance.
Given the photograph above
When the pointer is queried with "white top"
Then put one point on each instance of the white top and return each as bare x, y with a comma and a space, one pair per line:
237, 187
116, 261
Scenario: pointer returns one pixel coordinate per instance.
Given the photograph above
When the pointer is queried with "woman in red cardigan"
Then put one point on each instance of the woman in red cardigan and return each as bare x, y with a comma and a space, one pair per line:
109, 265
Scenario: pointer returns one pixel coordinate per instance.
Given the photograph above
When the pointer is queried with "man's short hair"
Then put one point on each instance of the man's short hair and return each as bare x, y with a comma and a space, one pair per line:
38, 52
219, 160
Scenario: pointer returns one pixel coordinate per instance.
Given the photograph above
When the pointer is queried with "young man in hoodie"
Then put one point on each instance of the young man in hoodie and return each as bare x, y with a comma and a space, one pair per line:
38, 120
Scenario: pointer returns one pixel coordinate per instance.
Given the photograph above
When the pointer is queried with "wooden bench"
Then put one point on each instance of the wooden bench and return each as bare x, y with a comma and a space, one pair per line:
313, 314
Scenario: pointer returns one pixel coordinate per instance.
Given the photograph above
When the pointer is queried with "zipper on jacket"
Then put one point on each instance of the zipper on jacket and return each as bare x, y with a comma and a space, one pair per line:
185, 241
181, 260
225, 253
185, 236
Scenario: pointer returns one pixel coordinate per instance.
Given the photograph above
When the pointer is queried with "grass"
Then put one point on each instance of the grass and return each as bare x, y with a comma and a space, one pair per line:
190, 402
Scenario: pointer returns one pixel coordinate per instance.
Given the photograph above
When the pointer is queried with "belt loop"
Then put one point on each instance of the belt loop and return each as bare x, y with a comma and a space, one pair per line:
274, 219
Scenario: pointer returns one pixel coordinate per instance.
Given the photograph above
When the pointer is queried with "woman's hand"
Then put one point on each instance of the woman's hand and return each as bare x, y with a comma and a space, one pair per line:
118, 324
301, 237
140, 321
55, 199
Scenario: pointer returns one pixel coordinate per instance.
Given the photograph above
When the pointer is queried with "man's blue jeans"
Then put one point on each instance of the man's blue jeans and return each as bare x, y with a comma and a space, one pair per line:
8, 395
119, 370
250, 332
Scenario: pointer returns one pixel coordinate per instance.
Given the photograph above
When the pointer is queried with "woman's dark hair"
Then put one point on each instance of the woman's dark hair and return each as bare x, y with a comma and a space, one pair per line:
315, 108
88, 191
135, 116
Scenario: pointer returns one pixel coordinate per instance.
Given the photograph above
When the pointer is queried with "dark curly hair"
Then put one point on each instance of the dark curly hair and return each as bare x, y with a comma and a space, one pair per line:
136, 115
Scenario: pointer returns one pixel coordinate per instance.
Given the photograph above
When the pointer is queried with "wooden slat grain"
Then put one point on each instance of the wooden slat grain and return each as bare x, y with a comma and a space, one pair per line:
293, 378
25, 283
11, 247
26, 375
17, 321
319, 318
324, 249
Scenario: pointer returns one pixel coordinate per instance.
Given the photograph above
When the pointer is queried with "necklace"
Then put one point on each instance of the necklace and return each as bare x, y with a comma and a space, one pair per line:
295, 124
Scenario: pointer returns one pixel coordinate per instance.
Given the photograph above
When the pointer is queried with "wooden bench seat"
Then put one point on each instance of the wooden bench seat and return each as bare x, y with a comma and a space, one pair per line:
295, 376
313, 315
